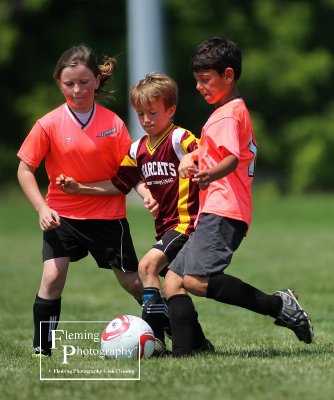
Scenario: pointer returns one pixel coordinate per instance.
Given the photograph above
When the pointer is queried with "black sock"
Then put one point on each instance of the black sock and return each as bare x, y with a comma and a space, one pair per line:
45, 310
198, 335
155, 312
187, 333
230, 290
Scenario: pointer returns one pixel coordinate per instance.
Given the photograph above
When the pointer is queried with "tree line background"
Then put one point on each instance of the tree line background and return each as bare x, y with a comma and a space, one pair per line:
287, 78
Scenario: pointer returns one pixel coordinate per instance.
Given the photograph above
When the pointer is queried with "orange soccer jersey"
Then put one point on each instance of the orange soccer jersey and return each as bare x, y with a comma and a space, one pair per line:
229, 128
88, 153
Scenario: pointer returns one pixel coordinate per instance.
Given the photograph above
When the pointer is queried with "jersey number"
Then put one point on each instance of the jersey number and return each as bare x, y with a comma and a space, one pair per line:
253, 150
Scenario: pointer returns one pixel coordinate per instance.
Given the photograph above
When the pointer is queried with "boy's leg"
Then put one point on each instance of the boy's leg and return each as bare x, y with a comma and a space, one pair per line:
282, 305
182, 317
47, 305
187, 333
155, 312
230, 290
152, 265
154, 307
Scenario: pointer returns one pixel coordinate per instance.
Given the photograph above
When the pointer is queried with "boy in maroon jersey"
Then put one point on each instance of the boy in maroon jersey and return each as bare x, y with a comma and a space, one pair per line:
155, 159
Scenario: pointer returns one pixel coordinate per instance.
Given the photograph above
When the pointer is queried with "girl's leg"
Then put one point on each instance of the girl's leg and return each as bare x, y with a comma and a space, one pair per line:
47, 305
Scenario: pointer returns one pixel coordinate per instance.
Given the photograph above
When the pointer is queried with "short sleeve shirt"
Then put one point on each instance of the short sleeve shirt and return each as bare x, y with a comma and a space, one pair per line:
86, 153
158, 166
228, 131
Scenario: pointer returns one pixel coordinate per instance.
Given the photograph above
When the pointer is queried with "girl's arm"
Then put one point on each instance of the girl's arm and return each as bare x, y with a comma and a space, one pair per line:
48, 218
100, 188
106, 188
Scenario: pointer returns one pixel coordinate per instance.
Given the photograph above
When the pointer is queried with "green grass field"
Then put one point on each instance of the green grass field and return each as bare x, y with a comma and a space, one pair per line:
290, 244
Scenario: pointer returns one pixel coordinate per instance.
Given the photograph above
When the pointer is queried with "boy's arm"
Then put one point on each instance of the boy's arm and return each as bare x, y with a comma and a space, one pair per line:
100, 188
149, 202
187, 164
228, 164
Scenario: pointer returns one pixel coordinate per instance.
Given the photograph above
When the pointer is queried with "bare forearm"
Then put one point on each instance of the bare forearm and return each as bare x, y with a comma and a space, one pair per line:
100, 188
48, 218
194, 155
224, 168
142, 189
30, 187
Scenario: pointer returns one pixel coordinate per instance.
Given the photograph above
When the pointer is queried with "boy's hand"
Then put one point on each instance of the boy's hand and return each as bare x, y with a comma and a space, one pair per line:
187, 166
203, 179
67, 184
152, 205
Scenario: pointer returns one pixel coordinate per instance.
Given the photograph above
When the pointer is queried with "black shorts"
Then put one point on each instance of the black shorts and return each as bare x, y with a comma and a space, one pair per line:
108, 241
170, 244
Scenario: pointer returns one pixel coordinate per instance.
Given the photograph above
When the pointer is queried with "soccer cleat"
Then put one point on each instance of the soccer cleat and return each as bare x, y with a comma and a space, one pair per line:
41, 353
293, 317
206, 347
160, 349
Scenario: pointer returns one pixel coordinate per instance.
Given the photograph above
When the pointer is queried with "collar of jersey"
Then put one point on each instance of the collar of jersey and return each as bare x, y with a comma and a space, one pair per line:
77, 120
162, 137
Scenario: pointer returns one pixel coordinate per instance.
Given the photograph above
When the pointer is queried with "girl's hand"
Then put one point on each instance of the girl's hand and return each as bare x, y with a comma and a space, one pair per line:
67, 184
48, 219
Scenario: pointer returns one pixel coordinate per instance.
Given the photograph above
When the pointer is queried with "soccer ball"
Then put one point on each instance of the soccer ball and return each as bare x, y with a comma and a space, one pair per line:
127, 337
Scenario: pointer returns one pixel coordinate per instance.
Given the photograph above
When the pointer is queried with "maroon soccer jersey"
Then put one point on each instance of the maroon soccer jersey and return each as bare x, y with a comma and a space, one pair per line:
158, 165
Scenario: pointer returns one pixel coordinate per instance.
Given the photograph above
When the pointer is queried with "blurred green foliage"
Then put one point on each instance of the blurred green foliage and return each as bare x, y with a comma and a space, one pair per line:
287, 79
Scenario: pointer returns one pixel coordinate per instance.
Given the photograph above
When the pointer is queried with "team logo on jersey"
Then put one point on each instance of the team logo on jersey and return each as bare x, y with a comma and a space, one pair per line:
158, 168
107, 133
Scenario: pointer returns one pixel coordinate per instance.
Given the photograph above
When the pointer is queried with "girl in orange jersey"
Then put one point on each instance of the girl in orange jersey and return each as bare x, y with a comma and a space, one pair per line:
88, 142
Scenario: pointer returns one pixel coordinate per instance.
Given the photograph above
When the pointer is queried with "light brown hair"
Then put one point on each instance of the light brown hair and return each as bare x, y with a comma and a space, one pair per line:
153, 87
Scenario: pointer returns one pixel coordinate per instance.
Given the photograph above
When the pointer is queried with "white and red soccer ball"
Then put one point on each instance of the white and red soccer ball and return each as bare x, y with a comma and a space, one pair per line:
127, 337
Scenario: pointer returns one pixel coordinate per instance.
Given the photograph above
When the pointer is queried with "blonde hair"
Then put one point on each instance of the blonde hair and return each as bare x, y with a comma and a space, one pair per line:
82, 54
153, 87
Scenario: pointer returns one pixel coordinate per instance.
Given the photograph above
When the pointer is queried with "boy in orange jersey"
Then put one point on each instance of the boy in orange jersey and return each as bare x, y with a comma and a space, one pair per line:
155, 158
226, 160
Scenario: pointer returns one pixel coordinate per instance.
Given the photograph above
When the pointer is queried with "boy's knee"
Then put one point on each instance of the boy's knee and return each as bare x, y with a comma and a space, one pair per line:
195, 285
168, 289
173, 285
143, 268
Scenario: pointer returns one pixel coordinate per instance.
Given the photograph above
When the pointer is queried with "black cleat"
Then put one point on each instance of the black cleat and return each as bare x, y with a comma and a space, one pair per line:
41, 353
160, 349
293, 317
206, 347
